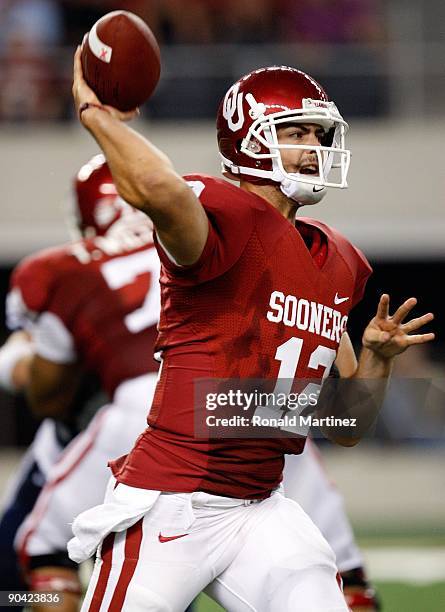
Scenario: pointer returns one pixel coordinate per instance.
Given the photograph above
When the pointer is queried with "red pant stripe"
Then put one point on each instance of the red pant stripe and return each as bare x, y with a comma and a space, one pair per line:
106, 556
132, 548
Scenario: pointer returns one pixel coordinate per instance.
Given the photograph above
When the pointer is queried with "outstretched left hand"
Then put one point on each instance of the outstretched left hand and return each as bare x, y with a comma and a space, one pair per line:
387, 336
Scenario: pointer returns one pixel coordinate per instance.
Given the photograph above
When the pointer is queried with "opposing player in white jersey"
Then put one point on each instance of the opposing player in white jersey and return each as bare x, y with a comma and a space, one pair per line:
91, 305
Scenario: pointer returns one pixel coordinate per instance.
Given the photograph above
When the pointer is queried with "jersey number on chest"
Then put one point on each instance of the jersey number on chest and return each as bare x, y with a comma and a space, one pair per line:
289, 354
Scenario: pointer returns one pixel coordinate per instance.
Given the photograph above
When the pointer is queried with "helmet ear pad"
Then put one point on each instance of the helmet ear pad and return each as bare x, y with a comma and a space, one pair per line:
232, 150
257, 147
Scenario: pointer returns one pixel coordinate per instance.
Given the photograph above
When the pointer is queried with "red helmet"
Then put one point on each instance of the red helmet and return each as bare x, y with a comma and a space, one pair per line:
96, 203
247, 135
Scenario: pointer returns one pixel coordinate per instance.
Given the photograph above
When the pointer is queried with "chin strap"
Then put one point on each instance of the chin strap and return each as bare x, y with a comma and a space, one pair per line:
303, 193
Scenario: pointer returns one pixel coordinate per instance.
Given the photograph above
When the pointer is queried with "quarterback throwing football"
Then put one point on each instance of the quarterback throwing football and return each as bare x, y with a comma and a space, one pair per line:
247, 292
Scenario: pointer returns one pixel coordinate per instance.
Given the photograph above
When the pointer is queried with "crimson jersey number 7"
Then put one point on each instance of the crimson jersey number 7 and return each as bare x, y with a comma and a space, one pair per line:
126, 270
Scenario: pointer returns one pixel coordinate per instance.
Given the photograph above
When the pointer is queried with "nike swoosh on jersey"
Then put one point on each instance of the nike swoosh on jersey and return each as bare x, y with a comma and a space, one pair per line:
339, 300
317, 190
163, 539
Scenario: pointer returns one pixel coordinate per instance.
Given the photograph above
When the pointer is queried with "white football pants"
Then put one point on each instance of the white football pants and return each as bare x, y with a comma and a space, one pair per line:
305, 481
262, 556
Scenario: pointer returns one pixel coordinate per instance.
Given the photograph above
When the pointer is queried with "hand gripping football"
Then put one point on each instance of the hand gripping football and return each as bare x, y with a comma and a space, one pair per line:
121, 60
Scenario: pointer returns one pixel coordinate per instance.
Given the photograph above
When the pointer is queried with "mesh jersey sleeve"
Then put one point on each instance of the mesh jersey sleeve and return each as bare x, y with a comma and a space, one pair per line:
231, 223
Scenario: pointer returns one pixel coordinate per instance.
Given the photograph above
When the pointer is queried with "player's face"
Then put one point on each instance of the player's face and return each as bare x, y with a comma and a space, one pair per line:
303, 161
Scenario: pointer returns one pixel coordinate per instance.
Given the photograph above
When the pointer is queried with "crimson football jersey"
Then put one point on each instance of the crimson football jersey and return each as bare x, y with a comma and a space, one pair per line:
256, 305
96, 300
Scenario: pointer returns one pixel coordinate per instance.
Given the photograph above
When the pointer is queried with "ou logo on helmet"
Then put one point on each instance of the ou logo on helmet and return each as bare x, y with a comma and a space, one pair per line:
233, 108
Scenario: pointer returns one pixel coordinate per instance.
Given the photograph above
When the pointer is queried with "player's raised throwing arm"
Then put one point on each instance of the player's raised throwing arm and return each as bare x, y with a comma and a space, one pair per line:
144, 176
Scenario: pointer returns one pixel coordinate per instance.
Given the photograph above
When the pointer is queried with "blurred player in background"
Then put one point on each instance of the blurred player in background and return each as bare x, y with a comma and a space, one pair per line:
91, 305
22, 491
187, 513
51, 437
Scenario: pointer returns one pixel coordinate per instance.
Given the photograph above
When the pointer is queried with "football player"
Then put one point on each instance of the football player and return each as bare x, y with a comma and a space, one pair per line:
248, 291
91, 305
23, 489
95, 205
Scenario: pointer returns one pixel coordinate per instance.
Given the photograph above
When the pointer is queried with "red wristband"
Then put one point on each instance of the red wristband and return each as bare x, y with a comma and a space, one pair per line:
87, 105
